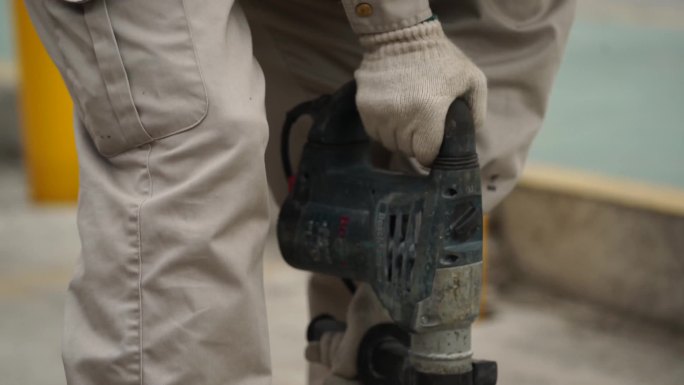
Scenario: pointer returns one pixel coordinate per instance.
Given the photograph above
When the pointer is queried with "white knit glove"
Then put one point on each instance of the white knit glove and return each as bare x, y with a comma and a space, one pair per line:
406, 82
338, 350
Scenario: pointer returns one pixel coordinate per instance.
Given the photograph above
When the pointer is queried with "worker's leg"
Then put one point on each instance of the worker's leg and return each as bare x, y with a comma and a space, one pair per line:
305, 49
168, 289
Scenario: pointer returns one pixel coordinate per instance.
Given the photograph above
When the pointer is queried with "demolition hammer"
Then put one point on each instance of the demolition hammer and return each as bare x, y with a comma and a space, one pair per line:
415, 239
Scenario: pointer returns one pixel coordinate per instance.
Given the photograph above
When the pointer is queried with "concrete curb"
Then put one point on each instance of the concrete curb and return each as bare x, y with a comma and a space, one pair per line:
596, 241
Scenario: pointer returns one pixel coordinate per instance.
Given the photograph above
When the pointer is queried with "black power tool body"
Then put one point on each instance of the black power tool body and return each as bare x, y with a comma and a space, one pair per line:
416, 239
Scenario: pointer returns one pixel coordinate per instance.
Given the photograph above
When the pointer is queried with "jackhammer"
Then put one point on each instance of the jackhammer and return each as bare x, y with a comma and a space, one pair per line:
415, 239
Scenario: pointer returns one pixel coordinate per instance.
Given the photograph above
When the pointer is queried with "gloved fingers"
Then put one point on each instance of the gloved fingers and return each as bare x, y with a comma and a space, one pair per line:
427, 140
338, 350
394, 140
372, 106
477, 97
313, 352
365, 311
330, 343
415, 131
323, 351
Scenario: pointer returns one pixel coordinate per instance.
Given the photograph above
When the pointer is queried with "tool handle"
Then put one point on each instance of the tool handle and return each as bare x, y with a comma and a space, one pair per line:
458, 146
337, 121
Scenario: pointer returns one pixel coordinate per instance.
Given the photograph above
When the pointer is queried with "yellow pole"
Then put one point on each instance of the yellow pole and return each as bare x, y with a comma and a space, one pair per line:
45, 118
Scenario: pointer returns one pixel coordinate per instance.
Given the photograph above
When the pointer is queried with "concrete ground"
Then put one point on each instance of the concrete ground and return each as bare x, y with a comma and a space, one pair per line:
536, 338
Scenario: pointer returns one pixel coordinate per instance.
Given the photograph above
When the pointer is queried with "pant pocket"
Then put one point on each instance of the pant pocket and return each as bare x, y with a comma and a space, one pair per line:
133, 71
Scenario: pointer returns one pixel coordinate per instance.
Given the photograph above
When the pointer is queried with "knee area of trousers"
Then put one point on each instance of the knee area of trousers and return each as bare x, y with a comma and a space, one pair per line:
228, 132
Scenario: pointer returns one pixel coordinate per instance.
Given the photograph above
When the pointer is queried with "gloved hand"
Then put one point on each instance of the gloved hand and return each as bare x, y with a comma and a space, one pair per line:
338, 350
406, 82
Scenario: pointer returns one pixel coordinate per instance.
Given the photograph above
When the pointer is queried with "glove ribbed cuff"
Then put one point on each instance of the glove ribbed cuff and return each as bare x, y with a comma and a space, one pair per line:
412, 39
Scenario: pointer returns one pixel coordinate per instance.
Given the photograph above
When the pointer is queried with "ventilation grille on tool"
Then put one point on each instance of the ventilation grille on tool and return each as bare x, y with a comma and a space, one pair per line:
403, 229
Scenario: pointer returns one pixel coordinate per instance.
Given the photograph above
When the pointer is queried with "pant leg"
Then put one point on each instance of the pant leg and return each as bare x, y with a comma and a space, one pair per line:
168, 288
305, 49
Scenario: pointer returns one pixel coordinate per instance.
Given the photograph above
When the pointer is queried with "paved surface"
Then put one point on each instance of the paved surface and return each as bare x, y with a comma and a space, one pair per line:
536, 339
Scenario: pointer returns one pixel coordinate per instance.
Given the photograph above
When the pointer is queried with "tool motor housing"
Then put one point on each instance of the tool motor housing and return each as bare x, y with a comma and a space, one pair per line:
416, 239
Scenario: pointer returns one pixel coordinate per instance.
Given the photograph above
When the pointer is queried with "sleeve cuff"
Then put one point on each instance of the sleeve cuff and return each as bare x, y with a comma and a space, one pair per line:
377, 16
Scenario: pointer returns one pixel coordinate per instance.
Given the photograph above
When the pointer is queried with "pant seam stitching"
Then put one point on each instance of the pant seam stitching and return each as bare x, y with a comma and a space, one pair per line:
140, 265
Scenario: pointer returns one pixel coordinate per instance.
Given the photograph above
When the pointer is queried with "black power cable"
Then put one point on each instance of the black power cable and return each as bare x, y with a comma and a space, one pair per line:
306, 108
291, 117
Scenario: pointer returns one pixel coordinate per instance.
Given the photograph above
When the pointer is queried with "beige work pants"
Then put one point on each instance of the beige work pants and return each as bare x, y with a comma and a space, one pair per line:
171, 134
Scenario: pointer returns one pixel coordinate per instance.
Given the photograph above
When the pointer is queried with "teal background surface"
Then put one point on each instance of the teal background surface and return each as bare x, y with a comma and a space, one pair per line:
6, 47
618, 104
